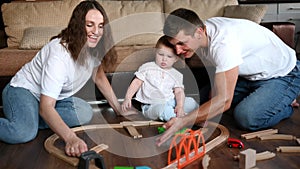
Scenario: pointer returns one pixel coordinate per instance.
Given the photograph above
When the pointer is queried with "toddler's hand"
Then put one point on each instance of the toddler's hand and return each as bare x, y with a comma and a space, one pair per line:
126, 104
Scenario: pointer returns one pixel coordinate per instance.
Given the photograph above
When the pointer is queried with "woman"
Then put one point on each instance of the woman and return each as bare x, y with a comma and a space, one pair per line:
40, 95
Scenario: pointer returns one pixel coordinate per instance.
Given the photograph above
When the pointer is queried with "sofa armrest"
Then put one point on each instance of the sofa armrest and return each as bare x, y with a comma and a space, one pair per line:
3, 38
284, 30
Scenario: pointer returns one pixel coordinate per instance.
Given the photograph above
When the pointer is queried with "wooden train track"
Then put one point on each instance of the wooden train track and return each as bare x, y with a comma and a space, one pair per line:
49, 143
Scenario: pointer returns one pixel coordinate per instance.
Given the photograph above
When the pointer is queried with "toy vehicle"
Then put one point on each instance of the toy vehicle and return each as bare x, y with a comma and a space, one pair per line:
235, 143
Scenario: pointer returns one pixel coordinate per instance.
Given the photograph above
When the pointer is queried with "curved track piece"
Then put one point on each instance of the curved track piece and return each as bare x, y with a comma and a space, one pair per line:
49, 143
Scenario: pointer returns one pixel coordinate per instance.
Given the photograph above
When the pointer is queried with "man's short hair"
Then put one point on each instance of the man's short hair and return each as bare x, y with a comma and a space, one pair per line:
182, 19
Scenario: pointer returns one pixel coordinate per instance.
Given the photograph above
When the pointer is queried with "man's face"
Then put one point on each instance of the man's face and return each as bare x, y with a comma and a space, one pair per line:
186, 45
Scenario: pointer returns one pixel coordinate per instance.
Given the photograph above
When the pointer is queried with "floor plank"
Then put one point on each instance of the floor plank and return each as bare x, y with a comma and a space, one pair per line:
32, 155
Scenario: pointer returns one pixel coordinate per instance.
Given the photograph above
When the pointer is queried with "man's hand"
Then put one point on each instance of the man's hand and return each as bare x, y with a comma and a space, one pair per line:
172, 126
179, 111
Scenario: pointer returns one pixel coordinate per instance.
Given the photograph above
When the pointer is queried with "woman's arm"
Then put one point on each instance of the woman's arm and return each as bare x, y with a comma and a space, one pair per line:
74, 145
104, 86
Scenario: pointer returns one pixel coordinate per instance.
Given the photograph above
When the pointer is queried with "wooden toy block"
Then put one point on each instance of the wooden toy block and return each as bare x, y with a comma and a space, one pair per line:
288, 149
259, 133
133, 132
264, 155
278, 137
247, 159
260, 156
205, 161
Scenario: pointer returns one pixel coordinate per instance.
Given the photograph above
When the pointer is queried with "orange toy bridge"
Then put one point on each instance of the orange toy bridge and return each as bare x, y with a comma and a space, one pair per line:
189, 142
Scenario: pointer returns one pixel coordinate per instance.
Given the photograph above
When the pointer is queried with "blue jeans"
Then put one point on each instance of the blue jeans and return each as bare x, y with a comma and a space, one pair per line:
22, 120
262, 104
165, 111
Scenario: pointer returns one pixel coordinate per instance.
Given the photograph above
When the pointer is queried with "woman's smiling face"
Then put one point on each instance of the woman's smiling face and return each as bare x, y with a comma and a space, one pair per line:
94, 24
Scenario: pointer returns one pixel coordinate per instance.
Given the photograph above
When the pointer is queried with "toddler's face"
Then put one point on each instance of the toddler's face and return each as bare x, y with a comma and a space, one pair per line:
165, 58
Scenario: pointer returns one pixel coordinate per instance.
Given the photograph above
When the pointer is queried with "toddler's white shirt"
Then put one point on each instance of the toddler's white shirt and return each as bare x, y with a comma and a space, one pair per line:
158, 84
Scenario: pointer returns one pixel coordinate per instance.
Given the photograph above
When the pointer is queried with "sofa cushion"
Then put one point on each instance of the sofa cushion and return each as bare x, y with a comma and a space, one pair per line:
17, 16
132, 22
135, 22
204, 8
254, 13
37, 37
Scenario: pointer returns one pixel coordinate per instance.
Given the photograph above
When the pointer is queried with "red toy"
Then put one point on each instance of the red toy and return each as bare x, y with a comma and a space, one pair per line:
190, 141
235, 143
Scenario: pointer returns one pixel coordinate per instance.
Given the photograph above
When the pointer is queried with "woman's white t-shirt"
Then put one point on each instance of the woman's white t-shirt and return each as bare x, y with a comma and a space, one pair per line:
158, 84
54, 73
259, 53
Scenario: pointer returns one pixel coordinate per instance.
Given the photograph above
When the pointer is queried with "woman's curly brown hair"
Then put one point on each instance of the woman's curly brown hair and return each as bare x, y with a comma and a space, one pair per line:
74, 37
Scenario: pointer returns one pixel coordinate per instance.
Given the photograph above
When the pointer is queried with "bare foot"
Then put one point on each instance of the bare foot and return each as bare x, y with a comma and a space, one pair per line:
295, 104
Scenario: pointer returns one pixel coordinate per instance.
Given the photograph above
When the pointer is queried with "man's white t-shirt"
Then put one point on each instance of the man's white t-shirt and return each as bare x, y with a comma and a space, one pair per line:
158, 84
54, 73
259, 53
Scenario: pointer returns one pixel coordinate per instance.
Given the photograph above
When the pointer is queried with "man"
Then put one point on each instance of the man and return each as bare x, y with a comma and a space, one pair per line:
255, 71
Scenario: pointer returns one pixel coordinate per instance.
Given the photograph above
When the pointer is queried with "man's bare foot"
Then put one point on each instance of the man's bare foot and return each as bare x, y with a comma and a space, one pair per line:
295, 104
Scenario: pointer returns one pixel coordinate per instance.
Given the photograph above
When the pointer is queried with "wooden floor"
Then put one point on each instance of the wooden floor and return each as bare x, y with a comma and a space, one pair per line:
33, 155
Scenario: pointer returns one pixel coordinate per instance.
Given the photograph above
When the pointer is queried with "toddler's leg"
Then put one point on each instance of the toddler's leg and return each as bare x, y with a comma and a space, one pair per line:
190, 104
163, 112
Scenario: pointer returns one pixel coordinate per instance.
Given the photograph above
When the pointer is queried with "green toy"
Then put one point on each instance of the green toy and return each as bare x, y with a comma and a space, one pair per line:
161, 130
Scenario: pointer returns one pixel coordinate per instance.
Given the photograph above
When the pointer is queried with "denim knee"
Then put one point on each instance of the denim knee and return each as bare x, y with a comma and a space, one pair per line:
85, 115
245, 120
84, 111
23, 135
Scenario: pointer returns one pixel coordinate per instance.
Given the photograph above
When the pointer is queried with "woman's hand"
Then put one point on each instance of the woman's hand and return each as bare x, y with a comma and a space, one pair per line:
75, 146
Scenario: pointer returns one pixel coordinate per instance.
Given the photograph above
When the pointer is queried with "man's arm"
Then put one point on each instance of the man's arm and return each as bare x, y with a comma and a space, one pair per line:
224, 89
222, 95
